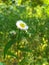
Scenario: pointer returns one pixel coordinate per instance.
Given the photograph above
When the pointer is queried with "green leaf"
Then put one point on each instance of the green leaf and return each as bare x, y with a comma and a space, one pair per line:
8, 45
25, 49
12, 54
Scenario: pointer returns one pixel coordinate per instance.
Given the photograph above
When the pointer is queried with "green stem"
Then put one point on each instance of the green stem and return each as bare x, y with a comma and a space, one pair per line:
18, 44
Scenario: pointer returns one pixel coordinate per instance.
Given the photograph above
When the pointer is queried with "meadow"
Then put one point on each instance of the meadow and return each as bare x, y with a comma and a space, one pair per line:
24, 32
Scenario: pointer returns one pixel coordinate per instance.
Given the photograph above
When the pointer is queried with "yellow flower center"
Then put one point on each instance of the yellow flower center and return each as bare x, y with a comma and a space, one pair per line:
22, 25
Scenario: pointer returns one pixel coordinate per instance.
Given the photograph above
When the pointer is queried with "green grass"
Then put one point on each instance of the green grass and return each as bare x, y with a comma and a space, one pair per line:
24, 48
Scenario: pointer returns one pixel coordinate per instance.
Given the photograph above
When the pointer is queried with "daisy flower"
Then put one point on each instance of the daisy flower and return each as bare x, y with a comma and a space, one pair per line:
21, 25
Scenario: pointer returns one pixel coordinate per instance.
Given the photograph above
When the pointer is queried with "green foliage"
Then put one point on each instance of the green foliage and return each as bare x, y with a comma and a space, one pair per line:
29, 47
2, 63
8, 45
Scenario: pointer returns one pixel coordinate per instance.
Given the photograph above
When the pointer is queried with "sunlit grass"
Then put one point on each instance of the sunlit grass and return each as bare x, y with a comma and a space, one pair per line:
25, 43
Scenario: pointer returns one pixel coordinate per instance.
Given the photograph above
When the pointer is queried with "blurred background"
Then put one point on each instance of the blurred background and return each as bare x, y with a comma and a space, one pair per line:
24, 48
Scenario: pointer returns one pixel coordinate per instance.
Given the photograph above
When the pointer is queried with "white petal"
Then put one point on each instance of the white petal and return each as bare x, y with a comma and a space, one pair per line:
20, 27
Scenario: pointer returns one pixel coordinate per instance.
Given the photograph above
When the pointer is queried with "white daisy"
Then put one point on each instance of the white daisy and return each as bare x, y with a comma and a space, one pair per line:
21, 25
